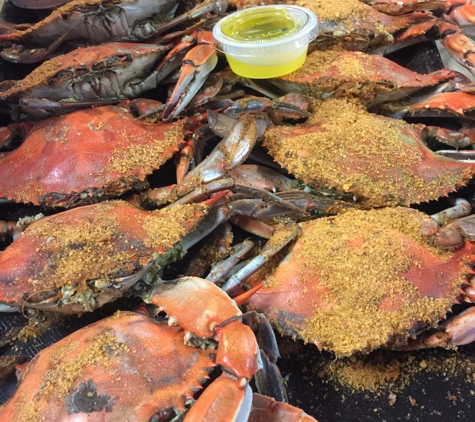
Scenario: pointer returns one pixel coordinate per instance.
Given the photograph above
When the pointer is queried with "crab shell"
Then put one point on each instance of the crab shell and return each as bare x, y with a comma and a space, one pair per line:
89, 74
396, 7
80, 259
93, 20
71, 159
378, 160
126, 367
355, 25
131, 367
350, 23
370, 78
362, 280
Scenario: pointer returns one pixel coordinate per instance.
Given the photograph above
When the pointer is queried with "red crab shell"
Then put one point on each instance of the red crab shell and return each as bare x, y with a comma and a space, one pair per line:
355, 25
126, 367
344, 74
82, 258
102, 151
361, 280
378, 160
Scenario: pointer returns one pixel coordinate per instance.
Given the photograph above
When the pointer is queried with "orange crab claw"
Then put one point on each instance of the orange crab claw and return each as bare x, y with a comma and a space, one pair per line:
227, 397
461, 12
238, 349
194, 293
266, 409
197, 64
460, 47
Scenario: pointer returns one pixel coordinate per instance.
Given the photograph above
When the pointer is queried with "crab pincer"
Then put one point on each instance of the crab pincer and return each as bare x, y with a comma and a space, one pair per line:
63, 382
197, 64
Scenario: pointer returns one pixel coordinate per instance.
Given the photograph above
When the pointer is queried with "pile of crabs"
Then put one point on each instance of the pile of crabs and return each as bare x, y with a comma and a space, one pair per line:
319, 167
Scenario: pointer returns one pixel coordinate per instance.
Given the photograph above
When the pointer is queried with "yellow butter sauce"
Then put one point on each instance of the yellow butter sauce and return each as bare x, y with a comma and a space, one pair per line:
261, 25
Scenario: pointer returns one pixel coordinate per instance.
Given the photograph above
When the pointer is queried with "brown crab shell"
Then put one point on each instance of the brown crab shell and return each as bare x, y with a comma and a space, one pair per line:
68, 253
103, 151
68, 19
355, 25
378, 160
91, 62
345, 74
361, 280
126, 367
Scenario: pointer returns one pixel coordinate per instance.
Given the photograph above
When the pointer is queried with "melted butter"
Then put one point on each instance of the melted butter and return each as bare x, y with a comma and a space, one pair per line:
264, 25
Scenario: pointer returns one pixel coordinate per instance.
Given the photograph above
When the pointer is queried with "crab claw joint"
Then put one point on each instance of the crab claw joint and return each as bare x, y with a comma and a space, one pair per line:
197, 64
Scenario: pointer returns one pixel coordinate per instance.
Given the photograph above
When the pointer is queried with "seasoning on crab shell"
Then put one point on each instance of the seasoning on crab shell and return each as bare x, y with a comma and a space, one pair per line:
80, 259
353, 74
67, 373
361, 280
96, 153
379, 161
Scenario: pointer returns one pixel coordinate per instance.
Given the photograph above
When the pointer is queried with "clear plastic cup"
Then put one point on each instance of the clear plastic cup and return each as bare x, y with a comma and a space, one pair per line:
266, 41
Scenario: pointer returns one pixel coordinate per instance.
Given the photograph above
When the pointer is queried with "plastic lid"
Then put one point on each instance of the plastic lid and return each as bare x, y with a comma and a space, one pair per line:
251, 31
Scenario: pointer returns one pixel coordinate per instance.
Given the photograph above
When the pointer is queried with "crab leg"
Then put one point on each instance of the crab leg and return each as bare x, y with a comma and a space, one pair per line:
461, 12
461, 208
461, 138
221, 213
232, 397
183, 161
228, 154
455, 42
268, 251
220, 269
454, 332
215, 6
453, 234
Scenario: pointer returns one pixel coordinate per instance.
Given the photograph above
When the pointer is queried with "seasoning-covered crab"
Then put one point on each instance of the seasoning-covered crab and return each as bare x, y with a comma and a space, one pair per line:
357, 26
96, 22
379, 161
80, 259
364, 279
102, 74
87, 155
131, 367
351, 74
